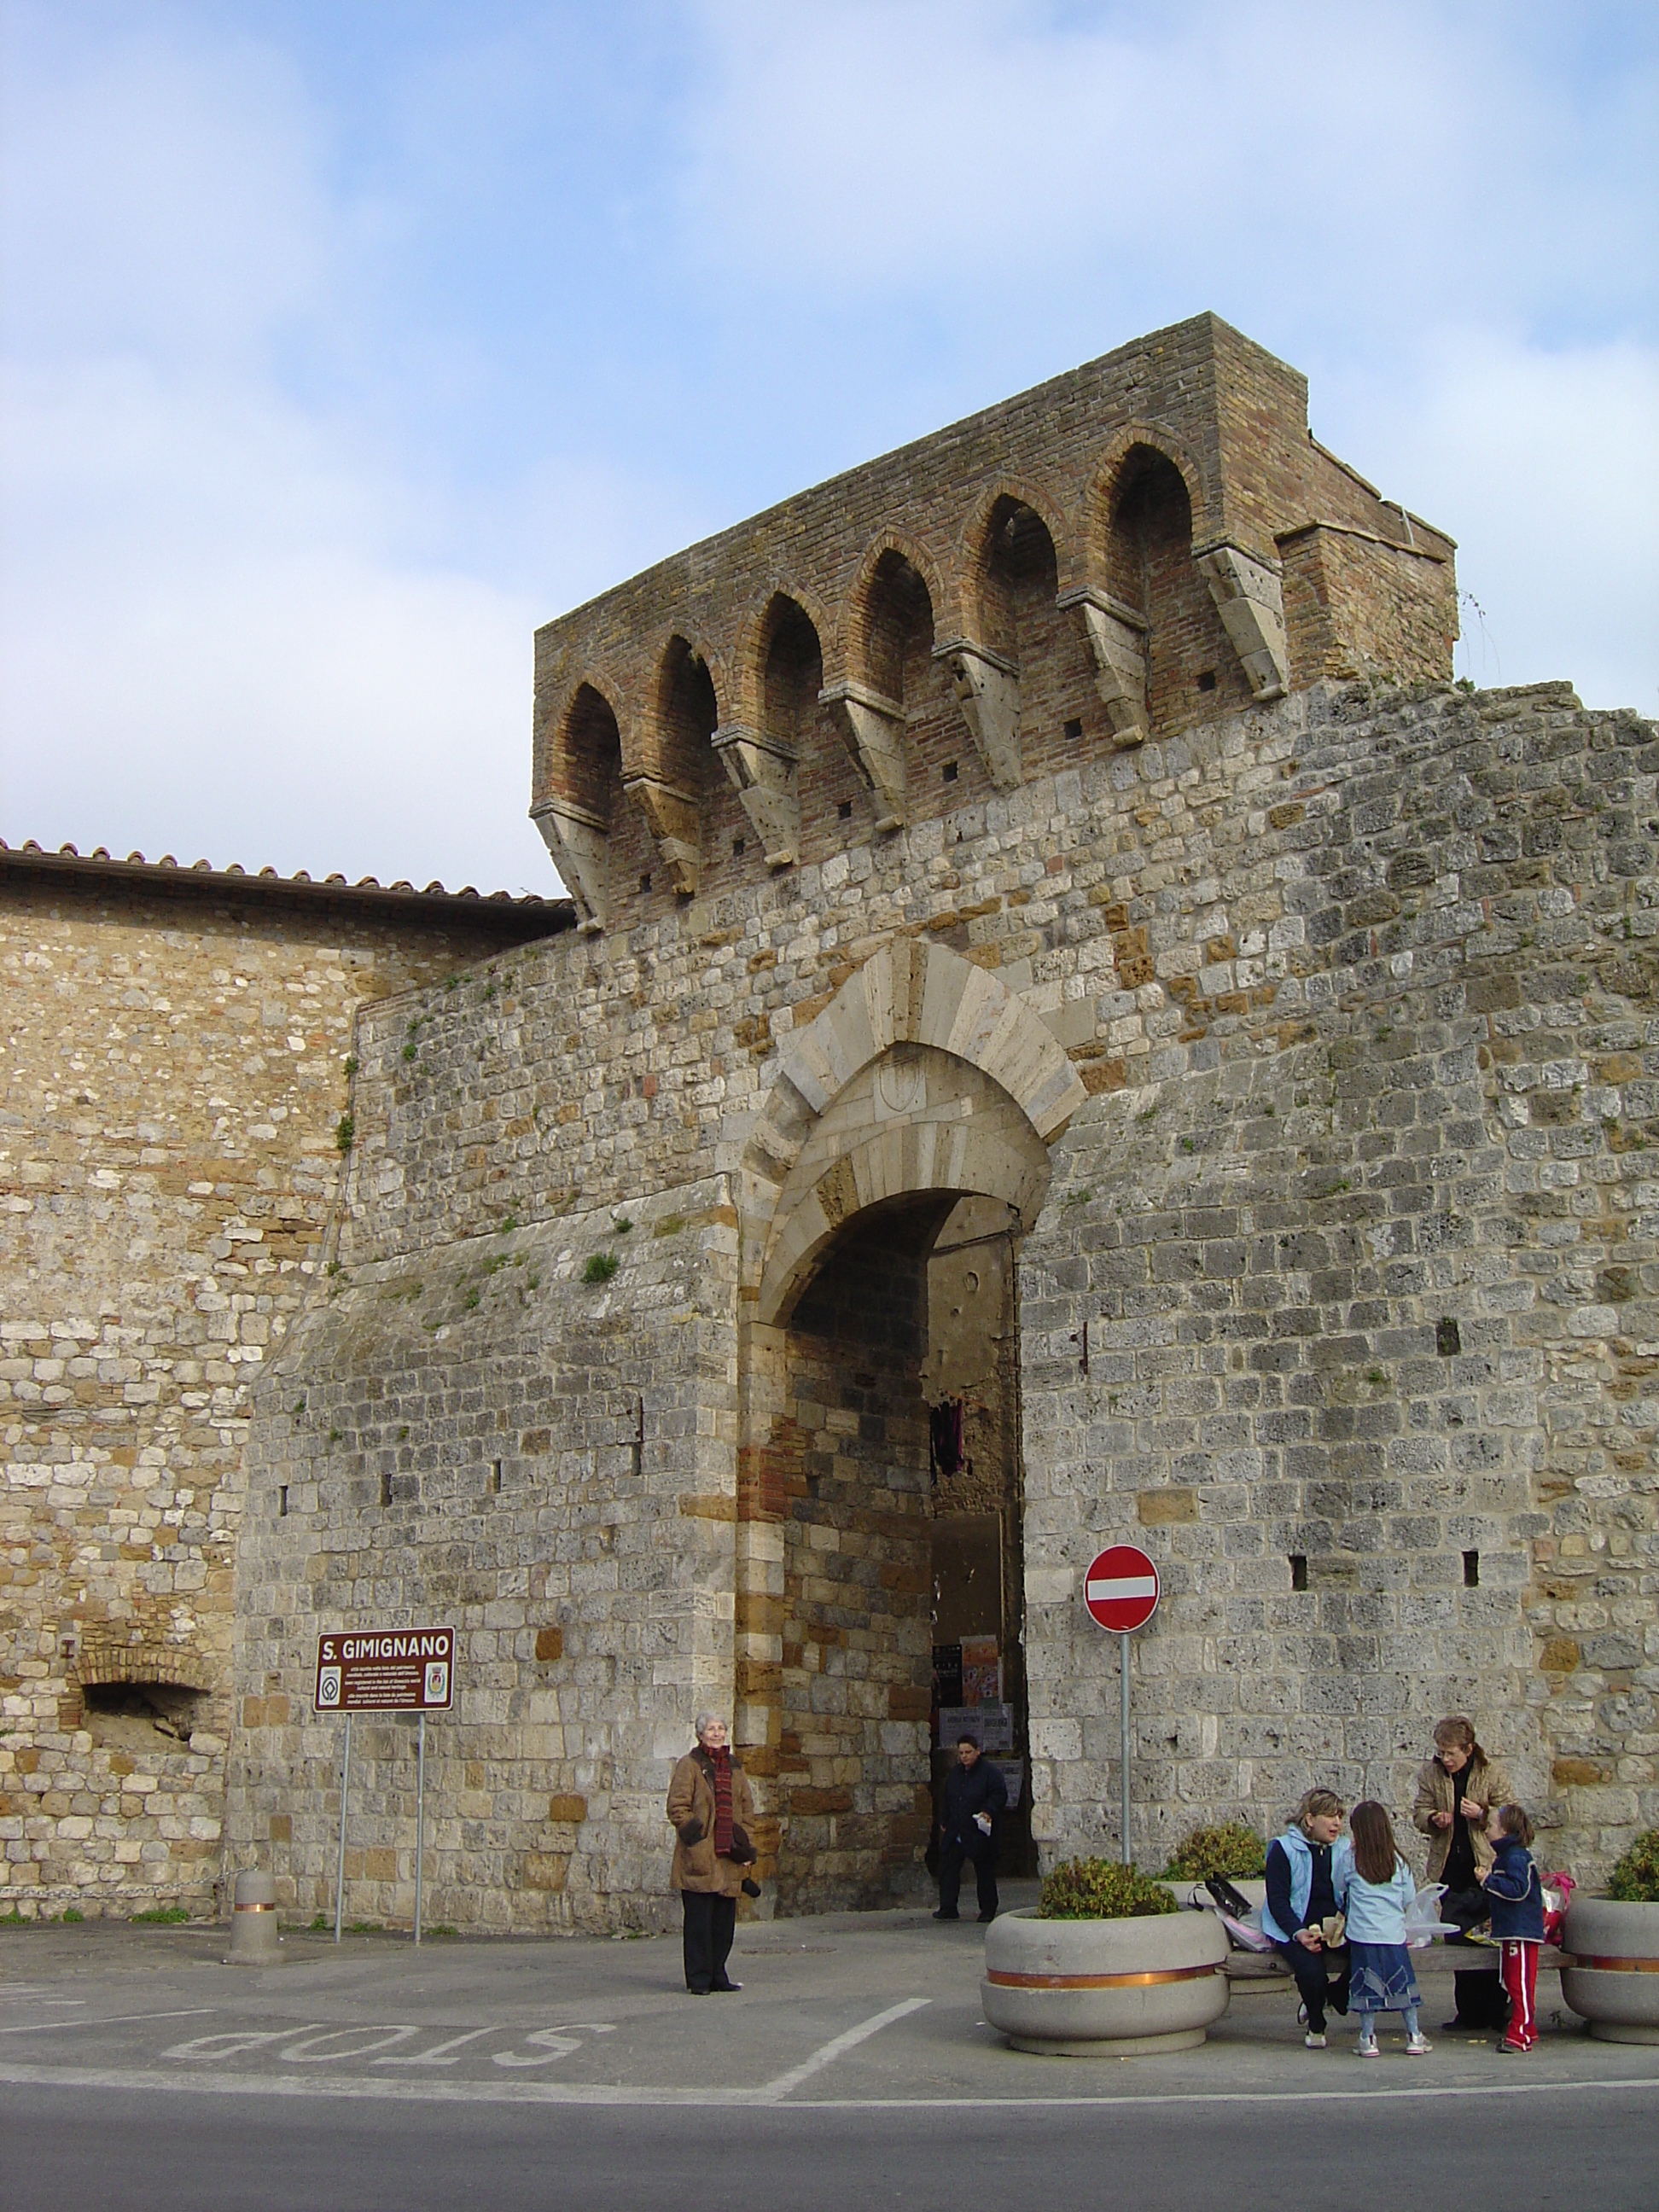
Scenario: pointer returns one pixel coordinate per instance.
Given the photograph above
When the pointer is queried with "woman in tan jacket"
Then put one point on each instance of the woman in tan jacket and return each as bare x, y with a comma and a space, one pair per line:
709, 1804
1456, 1791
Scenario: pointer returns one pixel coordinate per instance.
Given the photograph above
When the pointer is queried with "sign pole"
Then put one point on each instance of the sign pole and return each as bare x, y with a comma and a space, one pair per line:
1121, 1590
420, 1820
339, 1876
1123, 1735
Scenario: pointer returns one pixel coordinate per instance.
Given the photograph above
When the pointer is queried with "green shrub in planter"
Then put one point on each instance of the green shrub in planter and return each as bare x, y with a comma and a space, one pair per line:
1635, 1879
1231, 1850
1101, 1889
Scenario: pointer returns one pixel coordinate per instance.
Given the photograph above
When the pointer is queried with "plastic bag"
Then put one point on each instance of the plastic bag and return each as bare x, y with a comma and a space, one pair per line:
1557, 1896
1246, 1933
1423, 1920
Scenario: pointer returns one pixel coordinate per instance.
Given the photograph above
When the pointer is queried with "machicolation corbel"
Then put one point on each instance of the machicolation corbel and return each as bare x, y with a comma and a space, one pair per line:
1117, 646
872, 729
1250, 601
763, 772
987, 686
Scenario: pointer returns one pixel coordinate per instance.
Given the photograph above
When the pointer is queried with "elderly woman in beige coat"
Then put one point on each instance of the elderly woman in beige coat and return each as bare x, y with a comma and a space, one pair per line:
1457, 1790
710, 1805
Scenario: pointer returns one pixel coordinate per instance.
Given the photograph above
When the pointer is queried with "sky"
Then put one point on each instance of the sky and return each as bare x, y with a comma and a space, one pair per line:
343, 343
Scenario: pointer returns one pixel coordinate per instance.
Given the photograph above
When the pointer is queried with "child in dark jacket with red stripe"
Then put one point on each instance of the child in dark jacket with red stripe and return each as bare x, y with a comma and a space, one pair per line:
1516, 1896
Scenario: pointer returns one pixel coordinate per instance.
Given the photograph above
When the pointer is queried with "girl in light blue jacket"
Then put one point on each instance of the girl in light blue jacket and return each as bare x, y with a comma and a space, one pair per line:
1379, 1888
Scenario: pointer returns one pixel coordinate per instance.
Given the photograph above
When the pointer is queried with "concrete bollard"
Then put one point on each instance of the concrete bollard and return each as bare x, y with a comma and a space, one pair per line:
254, 1936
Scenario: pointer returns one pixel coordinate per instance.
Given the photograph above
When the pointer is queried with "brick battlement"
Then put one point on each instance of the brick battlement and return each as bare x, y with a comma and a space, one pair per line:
1151, 541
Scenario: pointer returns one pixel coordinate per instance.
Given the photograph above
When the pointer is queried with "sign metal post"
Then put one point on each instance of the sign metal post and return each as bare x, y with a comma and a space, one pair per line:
420, 1818
1121, 1590
385, 1670
339, 1872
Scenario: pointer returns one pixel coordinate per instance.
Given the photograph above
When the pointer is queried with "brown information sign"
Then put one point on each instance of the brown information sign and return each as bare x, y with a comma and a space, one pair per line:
385, 1670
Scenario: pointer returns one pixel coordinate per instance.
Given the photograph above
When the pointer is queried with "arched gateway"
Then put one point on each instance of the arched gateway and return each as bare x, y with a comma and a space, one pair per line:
900, 1157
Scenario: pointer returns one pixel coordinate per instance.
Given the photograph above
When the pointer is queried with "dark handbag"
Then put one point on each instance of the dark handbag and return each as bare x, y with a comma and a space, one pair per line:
1230, 1900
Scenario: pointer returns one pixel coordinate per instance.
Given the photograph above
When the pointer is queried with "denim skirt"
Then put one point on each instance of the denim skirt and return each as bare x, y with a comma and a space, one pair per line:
1380, 1977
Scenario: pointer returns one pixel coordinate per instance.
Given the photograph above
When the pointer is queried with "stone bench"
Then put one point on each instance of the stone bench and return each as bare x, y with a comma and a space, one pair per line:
1257, 1971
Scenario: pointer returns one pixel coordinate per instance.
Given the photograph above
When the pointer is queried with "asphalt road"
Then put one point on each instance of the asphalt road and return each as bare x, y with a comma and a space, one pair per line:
855, 2069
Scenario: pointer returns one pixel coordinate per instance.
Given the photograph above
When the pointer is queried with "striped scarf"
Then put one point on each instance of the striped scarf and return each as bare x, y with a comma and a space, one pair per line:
722, 1759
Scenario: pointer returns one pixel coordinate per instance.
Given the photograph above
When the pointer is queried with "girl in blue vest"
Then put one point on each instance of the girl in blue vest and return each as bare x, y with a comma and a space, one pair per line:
1379, 1887
1307, 1868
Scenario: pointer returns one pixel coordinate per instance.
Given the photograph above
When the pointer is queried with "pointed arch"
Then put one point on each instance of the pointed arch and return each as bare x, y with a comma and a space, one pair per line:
999, 504
909, 994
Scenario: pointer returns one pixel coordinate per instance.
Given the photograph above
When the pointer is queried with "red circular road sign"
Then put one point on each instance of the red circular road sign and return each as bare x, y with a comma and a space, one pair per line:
1120, 1588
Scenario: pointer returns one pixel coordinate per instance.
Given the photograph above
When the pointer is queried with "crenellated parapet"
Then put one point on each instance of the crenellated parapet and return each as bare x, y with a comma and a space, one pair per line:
1151, 541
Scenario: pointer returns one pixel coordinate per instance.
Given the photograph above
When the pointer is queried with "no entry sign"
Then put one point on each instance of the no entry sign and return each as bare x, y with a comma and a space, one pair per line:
386, 1670
1120, 1588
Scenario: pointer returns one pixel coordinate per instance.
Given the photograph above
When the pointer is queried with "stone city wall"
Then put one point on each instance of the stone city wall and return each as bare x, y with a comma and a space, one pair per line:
1356, 996
174, 1064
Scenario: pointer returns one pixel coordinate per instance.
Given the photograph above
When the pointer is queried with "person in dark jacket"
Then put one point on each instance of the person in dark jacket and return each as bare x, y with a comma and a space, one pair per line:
1516, 1897
975, 1802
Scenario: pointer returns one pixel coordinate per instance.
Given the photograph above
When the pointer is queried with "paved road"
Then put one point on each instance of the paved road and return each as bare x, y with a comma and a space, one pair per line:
853, 2069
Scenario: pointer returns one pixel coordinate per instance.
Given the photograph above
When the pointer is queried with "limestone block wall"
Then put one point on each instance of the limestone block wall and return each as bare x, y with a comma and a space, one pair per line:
476, 1434
1346, 1310
173, 1066
1357, 989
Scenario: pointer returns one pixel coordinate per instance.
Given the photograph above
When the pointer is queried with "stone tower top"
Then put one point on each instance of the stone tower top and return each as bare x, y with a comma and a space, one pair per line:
1152, 540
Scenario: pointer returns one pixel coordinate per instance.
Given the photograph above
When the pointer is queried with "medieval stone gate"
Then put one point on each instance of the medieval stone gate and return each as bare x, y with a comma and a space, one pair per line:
1049, 933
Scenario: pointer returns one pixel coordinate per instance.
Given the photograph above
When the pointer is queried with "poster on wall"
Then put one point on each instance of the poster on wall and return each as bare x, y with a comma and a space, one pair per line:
947, 1674
981, 1671
992, 1725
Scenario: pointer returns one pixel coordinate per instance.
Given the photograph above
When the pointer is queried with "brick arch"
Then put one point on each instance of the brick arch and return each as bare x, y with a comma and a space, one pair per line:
669, 751
908, 994
749, 649
1104, 486
851, 644
566, 744
110, 1659
972, 547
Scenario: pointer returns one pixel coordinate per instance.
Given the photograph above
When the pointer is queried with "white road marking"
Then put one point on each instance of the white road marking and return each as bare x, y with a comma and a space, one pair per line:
490, 2092
554, 2042
306, 2053
115, 2019
827, 2054
436, 2057
233, 2042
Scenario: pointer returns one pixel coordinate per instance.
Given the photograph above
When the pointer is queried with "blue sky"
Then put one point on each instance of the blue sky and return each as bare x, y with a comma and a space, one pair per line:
343, 343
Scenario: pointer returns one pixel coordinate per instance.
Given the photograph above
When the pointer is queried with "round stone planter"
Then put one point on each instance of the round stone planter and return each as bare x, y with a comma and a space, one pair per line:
1105, 1989
1615, 1983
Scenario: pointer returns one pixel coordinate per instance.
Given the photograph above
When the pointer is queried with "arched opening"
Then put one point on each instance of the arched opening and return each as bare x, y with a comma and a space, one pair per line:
1018, 579
587, 757
895, 635
901, 1564
698, 820
687, 717
1016, 586
898, 629
829, 795
599, 847
148, 1718
792, 671
1192, 669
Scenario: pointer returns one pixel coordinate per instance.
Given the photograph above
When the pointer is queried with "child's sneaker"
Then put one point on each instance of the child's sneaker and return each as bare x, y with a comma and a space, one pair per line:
1314, 2041
1418, 2046
1366, 2051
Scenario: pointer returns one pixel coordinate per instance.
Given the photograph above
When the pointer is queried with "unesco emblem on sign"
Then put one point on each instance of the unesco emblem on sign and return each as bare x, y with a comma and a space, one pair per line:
328, 1689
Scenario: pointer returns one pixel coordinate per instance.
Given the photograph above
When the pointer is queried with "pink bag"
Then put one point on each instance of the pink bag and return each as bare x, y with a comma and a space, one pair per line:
1557, 1896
